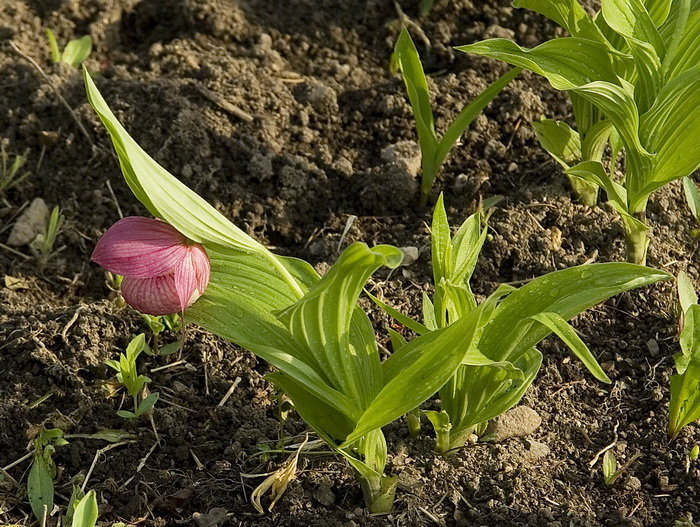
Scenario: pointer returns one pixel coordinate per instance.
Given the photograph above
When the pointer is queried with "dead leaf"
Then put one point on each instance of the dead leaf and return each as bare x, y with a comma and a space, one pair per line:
16, 284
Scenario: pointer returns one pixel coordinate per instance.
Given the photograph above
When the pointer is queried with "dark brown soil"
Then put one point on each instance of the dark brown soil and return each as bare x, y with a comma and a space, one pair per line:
314, 77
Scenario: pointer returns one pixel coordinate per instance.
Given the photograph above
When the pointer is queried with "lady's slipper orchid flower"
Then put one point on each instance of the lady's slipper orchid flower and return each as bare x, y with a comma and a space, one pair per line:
163, 271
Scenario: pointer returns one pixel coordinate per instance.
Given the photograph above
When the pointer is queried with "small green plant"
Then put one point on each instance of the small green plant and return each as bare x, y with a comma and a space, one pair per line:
11, 174
86, 512
128, 377
610, 473
43, 245
684, 407
75, 52
636, 66
435, 150
40, 482
512, 322
159, 324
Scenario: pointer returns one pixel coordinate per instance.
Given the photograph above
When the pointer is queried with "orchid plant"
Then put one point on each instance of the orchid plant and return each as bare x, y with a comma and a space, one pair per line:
512, 322
309, 328
434, 150
635, 67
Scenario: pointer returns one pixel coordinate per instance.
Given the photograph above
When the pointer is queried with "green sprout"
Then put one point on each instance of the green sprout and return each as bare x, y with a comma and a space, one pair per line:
11, 173
435, 150
692, 196
40, 482
75, 52
159, 324
43, 245
128, 377
633, 73
684, 407
511, 322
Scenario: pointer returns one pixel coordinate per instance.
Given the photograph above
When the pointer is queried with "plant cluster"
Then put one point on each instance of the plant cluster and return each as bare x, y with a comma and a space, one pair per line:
479, 357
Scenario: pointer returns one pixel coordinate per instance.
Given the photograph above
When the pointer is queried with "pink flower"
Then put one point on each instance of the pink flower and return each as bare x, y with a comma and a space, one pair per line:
163, 271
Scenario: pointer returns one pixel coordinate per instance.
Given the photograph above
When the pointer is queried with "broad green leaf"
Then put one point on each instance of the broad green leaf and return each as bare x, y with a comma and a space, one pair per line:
567, 63
76, 51
684, 407
649, 74
55, 50
658, 10
162, 194
440, 241
673, 34
692, 196
631, 19
321, 322
86, 511
686, 292
329, 422
559, 140
561, 329
397, 340
595, 141
40, 486
593, 171
689, 339
420, 369
147, 403
568, 14
567, 292
609, 467
686, 53
619, 106
135, 347
429, 314
670, 129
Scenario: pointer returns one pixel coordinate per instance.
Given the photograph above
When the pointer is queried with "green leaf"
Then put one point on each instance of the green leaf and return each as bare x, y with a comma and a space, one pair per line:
162, 194
594, 172
658, 10
86, 511
135, 347
126, 414
567, 292
631, 19
686, 292
670, 129
568, 14
321, 322
76, 51
147, 403
397, 340
684, 407
559, 140
40, 486
561, 328
419, 369
567, 63
684, 53
609, 467
466, 247
595, 141
440, 241
55, 50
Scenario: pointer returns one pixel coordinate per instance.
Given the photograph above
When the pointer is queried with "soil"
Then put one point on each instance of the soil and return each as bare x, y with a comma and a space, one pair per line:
280, 114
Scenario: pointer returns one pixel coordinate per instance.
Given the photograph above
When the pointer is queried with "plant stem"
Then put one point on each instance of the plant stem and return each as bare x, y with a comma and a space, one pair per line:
413, 421
636, 241
379, 492
585, 191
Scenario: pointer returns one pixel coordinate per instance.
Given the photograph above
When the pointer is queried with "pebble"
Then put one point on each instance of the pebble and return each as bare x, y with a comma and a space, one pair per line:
30, 223
405, 154
520, 421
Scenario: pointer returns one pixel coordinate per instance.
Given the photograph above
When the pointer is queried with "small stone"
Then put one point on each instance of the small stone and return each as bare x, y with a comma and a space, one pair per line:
653, 347
410, 255
324, 99
537, 449
405, 154
30, 224
632, 484
212, 518
324, 495
520, 421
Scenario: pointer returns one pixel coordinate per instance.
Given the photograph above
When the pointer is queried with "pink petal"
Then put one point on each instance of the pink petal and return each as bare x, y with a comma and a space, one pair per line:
140, 248
192, 275
153, 296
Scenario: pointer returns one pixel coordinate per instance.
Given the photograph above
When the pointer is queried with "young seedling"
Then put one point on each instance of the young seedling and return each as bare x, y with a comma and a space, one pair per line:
512, 323
11, 174
43, 245
610, 473
684, 407
157, 325
310, 328
128, 377
40, 482
75, 52
435, 150
636, 66
86, 512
